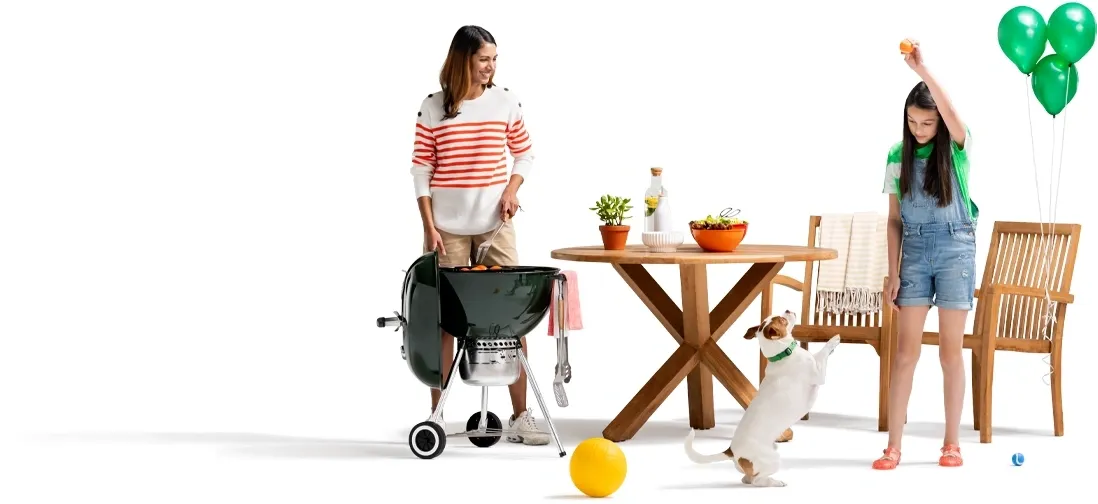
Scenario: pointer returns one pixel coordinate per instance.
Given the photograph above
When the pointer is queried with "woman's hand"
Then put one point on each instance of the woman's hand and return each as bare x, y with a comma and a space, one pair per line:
914, 59
892, 290
433, 241
508, 204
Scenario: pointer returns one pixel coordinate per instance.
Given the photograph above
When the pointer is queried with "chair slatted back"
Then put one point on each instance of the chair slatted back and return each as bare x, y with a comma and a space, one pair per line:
1023, 254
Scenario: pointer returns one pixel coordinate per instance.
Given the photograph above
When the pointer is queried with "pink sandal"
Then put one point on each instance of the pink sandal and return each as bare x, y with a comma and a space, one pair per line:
951, 456
890, 460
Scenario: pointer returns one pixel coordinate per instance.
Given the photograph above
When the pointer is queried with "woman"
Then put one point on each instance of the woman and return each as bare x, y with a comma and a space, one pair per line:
462, 184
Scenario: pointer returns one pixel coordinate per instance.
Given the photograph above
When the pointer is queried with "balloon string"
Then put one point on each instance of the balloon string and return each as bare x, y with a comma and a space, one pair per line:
1048, 318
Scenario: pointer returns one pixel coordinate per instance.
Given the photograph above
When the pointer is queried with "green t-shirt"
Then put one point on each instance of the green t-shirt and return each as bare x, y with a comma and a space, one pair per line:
961, 167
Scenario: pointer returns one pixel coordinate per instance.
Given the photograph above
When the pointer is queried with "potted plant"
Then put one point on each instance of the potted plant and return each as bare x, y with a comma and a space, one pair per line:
611, 211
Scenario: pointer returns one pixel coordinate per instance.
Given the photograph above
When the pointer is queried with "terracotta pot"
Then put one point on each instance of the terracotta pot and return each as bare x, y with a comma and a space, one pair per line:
614, 237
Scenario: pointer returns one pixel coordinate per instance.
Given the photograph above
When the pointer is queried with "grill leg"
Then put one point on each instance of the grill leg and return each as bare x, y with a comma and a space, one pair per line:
541, 401
482, 426
436, 416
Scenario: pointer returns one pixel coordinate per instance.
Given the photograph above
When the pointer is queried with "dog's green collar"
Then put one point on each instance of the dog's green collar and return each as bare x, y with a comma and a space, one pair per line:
784, 353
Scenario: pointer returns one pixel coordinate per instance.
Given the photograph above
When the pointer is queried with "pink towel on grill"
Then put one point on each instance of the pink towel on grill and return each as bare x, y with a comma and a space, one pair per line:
575, 317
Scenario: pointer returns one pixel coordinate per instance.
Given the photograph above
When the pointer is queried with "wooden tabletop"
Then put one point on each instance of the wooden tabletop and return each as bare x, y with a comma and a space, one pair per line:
692, 254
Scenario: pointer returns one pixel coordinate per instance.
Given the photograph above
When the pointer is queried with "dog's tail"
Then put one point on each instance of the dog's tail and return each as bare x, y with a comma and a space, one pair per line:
699, 458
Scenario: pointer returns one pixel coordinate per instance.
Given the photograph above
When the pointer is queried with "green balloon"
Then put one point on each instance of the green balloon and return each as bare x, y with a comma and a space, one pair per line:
1055, 81
1071, 30
1022, 37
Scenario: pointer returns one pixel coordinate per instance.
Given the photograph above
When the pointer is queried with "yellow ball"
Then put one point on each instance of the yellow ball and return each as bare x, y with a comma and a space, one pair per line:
597, 467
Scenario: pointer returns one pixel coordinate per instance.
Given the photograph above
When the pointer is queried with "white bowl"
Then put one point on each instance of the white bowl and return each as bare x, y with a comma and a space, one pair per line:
664, 241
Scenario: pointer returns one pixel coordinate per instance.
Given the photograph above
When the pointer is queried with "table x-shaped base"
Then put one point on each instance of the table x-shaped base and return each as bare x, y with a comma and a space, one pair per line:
698, 358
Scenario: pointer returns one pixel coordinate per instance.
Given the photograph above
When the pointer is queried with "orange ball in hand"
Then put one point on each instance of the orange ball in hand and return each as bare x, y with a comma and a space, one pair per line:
906, 46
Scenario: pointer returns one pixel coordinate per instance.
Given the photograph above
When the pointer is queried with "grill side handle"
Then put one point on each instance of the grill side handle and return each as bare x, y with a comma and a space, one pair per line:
397, 321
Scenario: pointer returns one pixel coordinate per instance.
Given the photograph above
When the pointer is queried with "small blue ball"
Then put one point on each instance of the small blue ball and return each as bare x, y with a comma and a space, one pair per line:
1018, 459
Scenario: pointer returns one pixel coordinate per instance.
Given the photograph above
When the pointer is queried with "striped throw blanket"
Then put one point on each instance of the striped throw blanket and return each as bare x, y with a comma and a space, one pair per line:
853, 282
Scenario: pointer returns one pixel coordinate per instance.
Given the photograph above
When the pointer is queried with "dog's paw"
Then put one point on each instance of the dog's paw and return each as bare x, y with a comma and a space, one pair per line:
768, 482
746, 480
833, 343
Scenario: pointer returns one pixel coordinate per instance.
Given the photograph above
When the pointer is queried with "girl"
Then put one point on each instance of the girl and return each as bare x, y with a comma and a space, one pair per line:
931, 251
461, 181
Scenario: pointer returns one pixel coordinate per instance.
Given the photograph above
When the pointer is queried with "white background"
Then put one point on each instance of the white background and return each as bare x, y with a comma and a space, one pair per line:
204, 206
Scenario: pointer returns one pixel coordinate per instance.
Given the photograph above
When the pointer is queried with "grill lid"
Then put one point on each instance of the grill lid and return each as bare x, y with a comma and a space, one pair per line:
423, 320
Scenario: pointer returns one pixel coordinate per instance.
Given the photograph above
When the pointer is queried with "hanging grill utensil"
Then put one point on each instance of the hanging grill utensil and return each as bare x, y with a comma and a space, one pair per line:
562, 361
558, 376
566, 368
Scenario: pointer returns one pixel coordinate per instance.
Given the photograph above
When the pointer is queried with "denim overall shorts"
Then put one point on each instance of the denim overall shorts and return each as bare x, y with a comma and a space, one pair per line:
938, 249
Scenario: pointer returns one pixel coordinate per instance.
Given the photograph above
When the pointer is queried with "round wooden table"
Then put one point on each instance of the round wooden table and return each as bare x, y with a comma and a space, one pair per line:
695, 327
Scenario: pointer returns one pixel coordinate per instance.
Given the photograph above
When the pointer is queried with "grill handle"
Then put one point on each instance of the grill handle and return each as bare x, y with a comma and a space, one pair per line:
397, 321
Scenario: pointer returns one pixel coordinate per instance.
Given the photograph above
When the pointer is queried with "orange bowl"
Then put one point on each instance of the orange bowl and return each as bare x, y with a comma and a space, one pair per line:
719, 240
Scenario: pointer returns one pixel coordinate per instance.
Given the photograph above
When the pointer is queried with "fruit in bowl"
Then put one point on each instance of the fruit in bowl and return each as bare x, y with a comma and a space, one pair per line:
718, 234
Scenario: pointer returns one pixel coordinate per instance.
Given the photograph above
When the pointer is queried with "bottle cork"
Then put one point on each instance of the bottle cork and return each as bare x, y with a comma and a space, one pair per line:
657, 171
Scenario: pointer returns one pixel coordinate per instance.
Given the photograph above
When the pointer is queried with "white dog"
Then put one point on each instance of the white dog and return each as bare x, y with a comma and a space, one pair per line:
786, 394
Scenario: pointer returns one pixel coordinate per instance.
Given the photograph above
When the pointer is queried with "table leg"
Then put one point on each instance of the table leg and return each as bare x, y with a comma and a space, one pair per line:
697, 330
695, 326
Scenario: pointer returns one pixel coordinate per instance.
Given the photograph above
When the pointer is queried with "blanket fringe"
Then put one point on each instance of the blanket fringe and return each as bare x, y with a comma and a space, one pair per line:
849, 300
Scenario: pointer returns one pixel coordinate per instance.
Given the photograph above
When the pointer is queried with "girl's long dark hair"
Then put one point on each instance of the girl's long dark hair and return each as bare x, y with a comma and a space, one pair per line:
456, 74
938, 182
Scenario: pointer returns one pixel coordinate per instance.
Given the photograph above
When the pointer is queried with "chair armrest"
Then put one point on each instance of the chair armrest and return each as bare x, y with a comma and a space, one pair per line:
1018, 290
788, 281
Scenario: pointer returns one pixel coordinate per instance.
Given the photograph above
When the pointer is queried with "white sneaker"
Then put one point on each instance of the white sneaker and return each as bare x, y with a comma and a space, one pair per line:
526, 430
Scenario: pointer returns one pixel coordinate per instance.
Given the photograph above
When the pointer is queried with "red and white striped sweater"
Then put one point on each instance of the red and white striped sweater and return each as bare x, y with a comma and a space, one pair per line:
461, 163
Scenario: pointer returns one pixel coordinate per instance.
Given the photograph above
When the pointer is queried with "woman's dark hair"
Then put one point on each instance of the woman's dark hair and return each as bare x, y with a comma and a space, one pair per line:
938, 182
456, 74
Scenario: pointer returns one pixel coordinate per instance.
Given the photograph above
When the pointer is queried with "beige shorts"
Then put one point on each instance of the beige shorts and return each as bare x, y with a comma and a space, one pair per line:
460, 249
